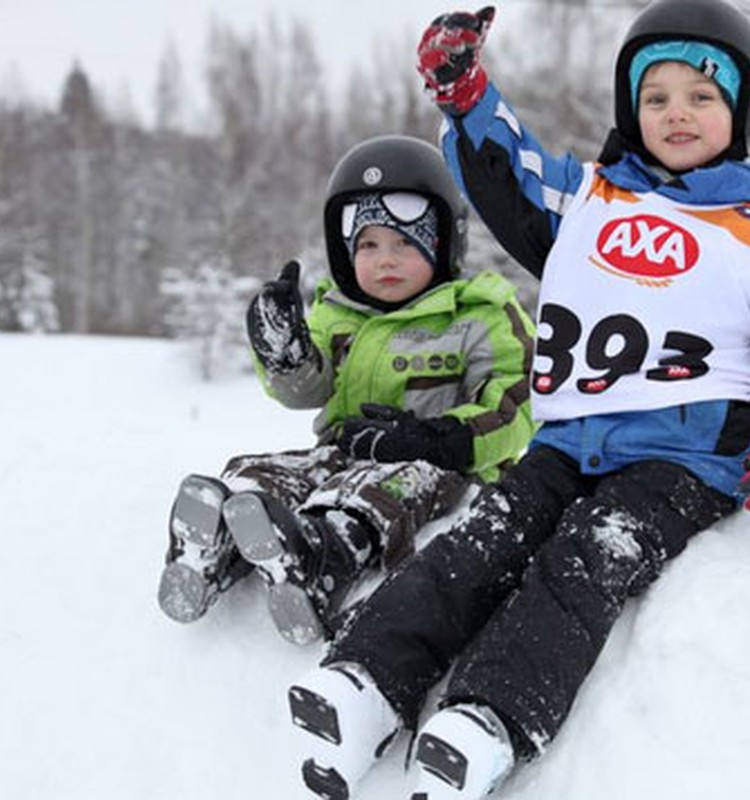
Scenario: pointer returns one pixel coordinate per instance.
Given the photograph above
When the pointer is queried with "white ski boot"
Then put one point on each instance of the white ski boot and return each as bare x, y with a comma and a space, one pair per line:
463, 752
345, 725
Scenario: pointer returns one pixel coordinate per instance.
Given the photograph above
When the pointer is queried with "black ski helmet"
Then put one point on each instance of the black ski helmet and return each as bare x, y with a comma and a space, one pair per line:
395, 163
715, 22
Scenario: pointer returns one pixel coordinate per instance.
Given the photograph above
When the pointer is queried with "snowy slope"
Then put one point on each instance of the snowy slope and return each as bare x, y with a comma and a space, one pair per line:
103, 698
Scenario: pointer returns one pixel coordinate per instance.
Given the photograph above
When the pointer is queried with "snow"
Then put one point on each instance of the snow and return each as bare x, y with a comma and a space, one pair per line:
101, 696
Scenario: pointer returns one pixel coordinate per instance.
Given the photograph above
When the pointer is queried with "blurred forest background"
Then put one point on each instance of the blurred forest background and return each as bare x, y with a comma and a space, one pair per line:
111, 227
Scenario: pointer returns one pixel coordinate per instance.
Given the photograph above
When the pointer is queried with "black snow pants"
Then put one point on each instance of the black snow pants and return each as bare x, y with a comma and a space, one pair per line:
521, 596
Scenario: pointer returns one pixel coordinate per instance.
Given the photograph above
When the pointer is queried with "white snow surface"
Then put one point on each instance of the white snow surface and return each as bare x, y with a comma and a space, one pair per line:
101, 696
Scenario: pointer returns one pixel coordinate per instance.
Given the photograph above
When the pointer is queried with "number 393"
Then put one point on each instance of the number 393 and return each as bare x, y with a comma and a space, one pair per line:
616, 346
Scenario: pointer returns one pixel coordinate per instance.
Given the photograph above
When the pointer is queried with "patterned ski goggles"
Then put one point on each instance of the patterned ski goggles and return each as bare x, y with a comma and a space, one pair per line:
404, 207
407, 212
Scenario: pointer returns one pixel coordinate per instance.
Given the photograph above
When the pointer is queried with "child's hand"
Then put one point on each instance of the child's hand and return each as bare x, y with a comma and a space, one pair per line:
448, 58
388, 434
276, 323
744, 486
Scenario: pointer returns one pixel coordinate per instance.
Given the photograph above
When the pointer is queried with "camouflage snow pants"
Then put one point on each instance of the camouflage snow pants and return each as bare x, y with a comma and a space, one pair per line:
394, 500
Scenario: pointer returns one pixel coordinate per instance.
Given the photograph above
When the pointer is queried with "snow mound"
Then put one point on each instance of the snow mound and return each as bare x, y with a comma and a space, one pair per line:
103, 697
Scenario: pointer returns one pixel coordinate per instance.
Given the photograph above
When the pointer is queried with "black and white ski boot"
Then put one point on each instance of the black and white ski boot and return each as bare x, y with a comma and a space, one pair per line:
302, 558
463, 752
202, 561
343, 725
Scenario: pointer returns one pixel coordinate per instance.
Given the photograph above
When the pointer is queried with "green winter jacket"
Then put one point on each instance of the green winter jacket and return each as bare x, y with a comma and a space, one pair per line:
464, 348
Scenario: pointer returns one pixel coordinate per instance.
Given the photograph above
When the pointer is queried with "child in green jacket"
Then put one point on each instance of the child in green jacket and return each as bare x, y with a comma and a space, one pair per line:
422, 381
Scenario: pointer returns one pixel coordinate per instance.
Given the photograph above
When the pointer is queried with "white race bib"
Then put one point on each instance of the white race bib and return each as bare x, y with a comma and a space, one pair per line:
644, 303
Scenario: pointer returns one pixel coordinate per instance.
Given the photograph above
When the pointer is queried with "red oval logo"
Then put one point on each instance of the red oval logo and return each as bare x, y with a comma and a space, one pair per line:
647, 246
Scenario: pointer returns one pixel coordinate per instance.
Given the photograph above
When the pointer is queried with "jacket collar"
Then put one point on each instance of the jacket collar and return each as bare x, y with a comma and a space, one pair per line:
440, 298
728, 182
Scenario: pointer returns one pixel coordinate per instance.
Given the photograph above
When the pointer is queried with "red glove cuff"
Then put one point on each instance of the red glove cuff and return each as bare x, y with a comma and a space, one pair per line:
463, 95
448, 59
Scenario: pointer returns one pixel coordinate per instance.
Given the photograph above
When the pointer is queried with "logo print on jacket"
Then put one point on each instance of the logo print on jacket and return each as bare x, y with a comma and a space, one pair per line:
647, 249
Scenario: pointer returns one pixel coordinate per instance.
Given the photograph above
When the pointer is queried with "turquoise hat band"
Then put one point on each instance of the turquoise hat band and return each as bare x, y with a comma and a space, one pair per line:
712, 61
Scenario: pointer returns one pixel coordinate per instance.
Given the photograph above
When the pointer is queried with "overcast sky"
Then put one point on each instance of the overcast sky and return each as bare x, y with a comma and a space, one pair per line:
119, 44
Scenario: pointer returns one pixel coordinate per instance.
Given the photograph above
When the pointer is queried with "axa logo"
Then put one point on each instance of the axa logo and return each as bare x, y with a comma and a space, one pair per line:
648, 249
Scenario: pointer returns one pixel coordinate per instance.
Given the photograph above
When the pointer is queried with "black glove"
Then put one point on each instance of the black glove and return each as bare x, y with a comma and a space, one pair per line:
448, 58
744, 486
276, 323
388, 434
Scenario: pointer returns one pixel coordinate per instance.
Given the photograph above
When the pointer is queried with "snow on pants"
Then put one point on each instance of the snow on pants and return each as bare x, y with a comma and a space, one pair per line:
521, 595
393, 500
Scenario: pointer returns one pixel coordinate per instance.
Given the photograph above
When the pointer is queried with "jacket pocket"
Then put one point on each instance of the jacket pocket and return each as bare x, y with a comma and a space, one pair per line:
734, 438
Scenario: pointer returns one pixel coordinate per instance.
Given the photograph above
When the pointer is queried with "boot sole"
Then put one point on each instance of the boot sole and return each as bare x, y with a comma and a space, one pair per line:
293, 613
255, 535
196, 516
184, 594
252, 529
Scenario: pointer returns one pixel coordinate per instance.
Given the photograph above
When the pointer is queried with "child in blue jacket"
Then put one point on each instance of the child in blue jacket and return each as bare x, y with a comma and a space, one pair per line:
641, 381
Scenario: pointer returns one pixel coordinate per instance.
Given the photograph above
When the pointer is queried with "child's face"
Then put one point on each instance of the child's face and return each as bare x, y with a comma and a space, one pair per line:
684, 119
388, 266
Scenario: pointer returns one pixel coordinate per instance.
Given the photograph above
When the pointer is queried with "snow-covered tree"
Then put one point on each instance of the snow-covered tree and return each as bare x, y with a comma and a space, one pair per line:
116, 207
207, 306
35, 306
81, 127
